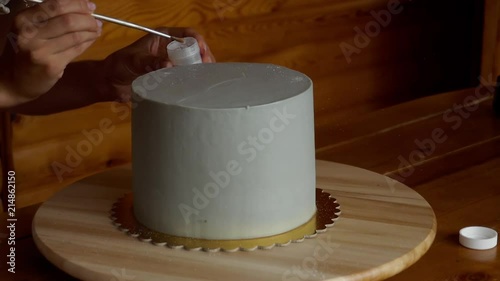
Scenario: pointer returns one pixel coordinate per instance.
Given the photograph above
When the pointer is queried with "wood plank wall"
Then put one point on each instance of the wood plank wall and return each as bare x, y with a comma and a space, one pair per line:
491, 39
426, 48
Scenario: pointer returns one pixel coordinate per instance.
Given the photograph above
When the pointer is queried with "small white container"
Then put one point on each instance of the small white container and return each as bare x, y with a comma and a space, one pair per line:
478, 238
184, 53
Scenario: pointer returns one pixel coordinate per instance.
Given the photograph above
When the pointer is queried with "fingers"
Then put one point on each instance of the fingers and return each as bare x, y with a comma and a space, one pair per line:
157, 46
52, 66
205, 52
69, 23
73, 52
50, 36
68, 41
149, 53
54, 19
53, 8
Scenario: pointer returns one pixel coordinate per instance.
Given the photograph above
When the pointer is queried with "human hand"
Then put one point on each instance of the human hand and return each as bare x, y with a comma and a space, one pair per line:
49, 36
205, 52
147, 54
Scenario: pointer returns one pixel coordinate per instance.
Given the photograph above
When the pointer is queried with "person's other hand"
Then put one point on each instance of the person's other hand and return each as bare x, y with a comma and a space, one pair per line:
147, 54
49, 36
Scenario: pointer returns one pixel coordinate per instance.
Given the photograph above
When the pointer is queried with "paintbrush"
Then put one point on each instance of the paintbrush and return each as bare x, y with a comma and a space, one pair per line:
127, 24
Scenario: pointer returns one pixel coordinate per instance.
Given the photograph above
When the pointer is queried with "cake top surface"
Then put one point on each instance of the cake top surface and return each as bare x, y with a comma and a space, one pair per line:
221, 85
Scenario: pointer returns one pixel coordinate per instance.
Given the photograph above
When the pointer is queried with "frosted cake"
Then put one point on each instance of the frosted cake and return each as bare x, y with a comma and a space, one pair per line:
223, 151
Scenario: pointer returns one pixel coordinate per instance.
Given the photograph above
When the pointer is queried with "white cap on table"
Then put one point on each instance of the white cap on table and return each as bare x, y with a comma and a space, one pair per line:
478, 238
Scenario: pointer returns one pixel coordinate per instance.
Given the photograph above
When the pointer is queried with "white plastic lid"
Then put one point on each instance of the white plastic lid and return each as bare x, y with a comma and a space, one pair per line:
478, 237
185, 53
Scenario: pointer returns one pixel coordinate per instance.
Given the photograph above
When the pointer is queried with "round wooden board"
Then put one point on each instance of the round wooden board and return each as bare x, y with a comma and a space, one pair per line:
384, 228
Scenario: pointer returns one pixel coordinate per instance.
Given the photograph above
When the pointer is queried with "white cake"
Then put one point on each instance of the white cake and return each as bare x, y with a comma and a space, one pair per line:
223, 151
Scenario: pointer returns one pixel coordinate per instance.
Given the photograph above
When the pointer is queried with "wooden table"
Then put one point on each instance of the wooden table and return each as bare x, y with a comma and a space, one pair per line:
384, 227
459, 177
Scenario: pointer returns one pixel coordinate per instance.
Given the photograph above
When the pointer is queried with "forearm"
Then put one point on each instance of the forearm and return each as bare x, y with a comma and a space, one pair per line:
82, 84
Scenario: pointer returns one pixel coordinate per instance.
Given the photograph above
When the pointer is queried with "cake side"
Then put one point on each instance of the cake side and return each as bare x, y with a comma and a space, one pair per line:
225, 173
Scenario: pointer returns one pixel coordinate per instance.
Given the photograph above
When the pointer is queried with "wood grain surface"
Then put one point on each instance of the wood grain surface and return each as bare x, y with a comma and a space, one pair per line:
490, 62
460, 183
384, 228
422, 50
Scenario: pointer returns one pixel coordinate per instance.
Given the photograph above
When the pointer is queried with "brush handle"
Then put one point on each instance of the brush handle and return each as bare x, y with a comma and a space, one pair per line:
133, 25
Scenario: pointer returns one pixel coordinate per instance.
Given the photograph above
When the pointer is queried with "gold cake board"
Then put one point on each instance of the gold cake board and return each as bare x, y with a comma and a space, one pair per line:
384, 228
327, 213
